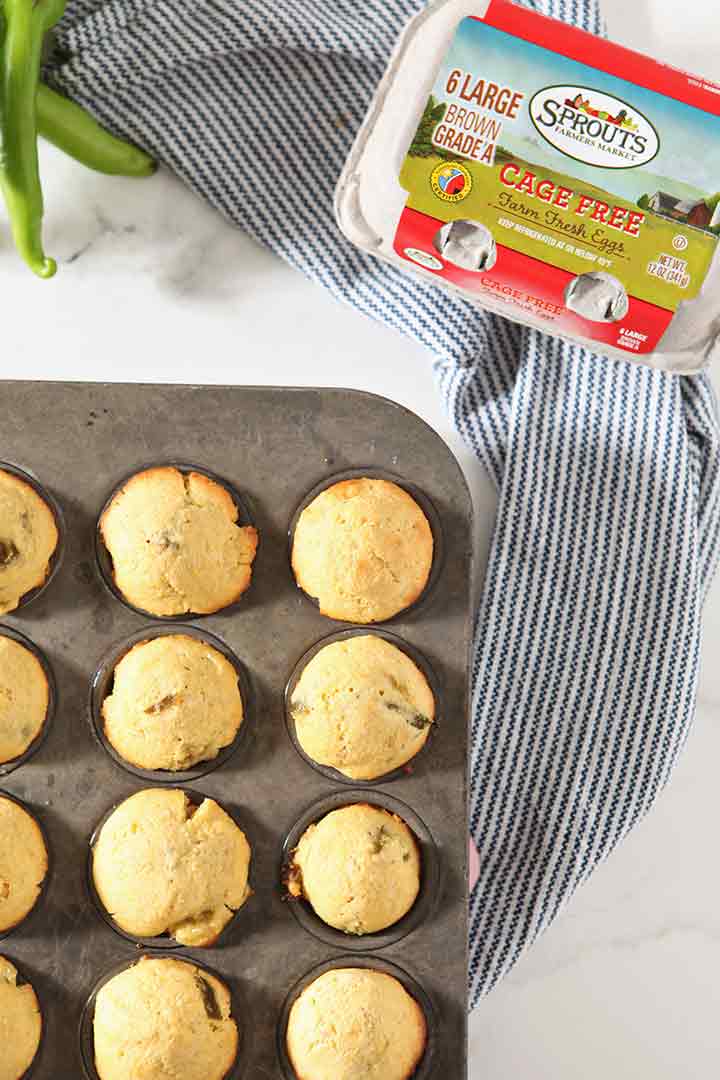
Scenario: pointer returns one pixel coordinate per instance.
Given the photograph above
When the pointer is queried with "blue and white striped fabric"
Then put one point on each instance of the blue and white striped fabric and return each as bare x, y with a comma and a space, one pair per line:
586, 663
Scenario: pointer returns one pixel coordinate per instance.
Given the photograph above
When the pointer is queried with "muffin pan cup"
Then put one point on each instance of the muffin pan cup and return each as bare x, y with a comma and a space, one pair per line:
163, 942
58, 555
275, 445
85, 1030
427, 507
424, 1070
101, 687
430, 873
418, 659
14, 635
36, 910
103, 558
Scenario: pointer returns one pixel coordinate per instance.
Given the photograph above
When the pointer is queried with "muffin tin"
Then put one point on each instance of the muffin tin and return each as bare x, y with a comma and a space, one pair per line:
275, 448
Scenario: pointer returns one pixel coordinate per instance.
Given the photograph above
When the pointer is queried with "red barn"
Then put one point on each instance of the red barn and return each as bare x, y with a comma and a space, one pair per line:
695, 213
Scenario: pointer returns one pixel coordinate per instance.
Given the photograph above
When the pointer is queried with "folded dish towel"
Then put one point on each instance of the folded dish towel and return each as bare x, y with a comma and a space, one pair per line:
586, 661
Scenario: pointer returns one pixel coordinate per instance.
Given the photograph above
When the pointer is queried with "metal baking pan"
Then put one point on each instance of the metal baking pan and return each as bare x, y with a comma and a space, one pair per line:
273, 446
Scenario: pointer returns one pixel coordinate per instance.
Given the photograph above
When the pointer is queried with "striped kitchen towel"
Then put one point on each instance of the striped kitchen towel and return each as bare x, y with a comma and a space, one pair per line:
586, 660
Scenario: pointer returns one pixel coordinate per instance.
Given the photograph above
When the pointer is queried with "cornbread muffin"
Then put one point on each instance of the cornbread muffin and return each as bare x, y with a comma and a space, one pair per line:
164, 1019
175, 701
28, 539
362, 707
364, 549
359, 868
20, 1024
24, 698
355, 1024
23, 863
162, 866
175, 543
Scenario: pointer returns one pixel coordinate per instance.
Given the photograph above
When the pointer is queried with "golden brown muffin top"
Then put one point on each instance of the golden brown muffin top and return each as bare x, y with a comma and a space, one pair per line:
28, 540
163, 1018
175, 702
175, 543
23, 863
356, 1024
358, 867
362, 706
161, 865
364, 549
24, 698
20, 1023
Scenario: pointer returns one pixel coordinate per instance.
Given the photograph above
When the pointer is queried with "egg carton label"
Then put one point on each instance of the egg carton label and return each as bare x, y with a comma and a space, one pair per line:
573, 179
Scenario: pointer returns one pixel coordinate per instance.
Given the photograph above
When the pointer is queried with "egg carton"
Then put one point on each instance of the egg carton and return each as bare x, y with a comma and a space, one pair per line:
467, 257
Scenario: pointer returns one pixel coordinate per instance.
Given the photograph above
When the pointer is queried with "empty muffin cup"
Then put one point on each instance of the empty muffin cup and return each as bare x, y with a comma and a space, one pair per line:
430, 873
102, 686
12, 763
46, 569
104, 558
200, 974
426, 573
423, 724
423, 1070
165, 941
32, 859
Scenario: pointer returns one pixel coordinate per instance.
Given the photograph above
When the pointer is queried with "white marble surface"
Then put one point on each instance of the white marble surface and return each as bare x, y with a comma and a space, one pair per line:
156, 287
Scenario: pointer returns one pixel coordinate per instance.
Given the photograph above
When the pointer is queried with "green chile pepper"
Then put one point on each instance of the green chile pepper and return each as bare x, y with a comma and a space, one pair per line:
25, 24
28, 108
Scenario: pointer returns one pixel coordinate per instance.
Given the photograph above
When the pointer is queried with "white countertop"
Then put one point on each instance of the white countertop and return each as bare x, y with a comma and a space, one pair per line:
625, 985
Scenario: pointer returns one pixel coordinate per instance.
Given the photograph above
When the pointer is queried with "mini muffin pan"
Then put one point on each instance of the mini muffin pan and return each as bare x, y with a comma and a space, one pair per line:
15, 763
424, 1070
57, 556
274, 449
430, 877
102, 685
35, 913
163, 941
104, 558
425, 504
418, 659
87, 1016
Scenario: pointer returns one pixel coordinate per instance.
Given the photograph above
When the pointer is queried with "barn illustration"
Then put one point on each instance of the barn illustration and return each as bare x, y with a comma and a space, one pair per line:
694, 212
